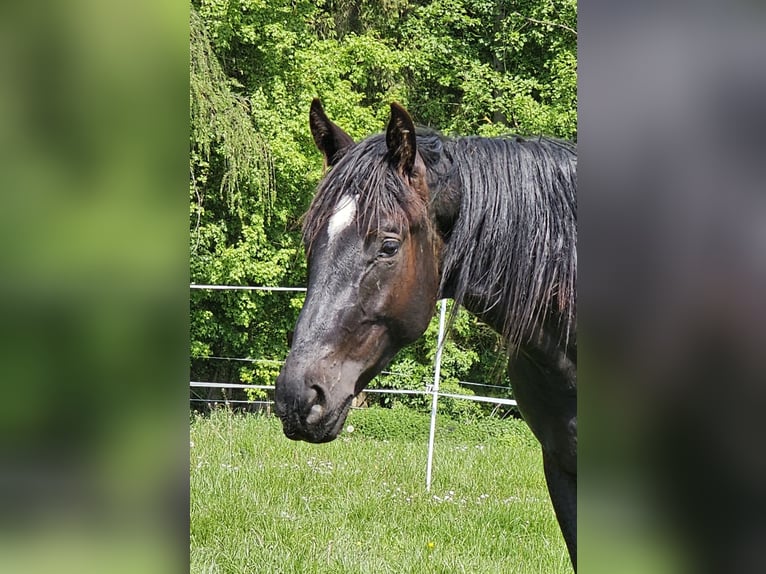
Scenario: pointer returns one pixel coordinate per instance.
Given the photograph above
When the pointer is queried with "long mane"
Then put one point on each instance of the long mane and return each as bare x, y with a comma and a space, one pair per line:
513, 246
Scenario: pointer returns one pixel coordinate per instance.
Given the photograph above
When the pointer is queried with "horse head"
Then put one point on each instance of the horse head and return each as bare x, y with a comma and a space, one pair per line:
373, 273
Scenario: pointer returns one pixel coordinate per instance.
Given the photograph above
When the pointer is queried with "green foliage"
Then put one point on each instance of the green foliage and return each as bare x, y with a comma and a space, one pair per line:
224, 147
492, 67
462, 66
486, 429
403, 423
396, 423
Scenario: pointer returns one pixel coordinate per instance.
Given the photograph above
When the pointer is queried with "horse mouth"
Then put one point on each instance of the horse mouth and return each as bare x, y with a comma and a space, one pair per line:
315, 426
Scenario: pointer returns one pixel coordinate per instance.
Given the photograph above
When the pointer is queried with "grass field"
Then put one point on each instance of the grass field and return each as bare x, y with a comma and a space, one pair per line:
262, 503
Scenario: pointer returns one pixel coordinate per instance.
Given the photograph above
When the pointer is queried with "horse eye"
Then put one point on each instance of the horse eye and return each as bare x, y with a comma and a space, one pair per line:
389, 248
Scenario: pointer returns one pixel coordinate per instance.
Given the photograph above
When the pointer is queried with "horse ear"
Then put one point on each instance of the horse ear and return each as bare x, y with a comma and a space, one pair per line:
400, 139
329, 138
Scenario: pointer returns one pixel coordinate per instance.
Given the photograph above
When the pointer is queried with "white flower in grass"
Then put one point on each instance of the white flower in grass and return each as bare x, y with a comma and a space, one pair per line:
350, 428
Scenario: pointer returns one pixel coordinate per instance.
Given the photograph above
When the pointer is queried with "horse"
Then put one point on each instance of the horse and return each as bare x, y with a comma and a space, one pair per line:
409, 216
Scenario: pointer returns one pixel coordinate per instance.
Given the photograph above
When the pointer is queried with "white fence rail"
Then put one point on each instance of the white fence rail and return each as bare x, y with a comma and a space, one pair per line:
495, 400
245, 288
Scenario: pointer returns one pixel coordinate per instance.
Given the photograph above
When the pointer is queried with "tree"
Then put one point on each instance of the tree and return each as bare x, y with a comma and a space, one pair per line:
232, 197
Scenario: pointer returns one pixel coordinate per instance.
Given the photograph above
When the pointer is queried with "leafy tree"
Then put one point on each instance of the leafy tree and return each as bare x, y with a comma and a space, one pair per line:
232, 235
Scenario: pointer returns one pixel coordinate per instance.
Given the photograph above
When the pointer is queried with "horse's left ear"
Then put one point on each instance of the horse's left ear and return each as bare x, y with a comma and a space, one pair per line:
331, 140
400, 139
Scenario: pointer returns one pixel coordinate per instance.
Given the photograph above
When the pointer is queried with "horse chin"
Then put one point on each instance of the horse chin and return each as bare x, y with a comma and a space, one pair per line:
323, 429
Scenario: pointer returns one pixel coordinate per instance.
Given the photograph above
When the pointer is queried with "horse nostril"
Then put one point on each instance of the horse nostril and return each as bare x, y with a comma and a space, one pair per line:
317, 410
321, 397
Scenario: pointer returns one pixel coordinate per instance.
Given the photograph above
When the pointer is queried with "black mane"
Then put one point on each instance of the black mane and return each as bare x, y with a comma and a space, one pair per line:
513, 246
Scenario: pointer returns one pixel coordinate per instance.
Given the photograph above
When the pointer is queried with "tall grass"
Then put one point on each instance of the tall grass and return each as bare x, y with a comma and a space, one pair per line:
262, 503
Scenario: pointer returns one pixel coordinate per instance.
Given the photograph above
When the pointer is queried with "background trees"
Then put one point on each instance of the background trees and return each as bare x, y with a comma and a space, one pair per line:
461, 66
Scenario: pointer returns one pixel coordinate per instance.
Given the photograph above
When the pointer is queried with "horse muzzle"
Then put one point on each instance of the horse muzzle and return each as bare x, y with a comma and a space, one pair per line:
308, 412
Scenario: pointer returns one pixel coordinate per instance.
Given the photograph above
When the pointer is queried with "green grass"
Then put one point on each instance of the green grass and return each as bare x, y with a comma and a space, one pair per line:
263, 503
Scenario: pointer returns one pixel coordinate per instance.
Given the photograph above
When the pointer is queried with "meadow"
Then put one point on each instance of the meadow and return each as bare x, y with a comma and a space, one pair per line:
263, 503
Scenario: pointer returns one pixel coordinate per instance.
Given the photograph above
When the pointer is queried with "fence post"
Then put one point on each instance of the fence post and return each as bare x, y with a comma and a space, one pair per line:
435, 391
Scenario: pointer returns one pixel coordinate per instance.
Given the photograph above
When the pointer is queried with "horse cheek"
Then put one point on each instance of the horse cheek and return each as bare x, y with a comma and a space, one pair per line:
415, 297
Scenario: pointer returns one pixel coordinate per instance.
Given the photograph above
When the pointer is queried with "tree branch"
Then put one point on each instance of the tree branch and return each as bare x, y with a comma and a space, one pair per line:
547, 22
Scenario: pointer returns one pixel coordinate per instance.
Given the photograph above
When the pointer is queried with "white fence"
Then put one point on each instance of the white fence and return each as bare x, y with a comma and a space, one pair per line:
429, 389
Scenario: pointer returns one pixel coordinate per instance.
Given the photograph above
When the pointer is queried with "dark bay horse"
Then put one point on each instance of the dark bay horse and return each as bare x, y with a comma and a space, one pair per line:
404, 218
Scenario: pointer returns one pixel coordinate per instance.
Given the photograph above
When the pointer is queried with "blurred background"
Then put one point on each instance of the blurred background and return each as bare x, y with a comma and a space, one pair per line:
94, 286
672, 245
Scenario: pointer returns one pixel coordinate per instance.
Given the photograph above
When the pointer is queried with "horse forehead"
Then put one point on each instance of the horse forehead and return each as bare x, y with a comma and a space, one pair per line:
343, 216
